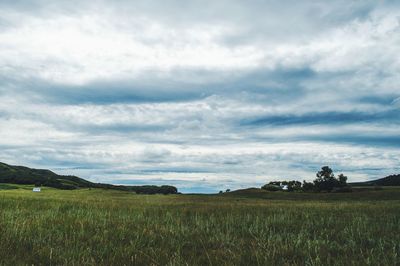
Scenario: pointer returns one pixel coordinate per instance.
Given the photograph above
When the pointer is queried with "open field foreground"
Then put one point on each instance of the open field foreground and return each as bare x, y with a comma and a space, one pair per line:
107, 227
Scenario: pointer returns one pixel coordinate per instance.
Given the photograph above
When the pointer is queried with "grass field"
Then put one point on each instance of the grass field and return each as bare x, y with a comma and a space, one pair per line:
106, 227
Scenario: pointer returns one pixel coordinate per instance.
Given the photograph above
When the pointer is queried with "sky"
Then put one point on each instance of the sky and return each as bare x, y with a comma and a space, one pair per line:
203, 95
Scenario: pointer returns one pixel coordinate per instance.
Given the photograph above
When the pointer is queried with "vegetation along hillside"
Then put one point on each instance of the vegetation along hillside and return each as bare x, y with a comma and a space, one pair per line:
41, 177
391, 180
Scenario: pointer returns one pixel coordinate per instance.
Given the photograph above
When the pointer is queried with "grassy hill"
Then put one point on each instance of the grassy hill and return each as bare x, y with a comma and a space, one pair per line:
25, 175
28, 176
392, 180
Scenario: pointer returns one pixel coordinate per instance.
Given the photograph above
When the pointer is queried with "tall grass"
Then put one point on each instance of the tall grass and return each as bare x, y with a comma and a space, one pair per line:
99, 227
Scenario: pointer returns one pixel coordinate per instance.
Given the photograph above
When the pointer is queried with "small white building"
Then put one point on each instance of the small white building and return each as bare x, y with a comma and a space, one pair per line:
36, 189
285, 187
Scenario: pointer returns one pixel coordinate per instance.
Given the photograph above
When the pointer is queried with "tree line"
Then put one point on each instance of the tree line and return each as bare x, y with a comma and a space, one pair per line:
325, 181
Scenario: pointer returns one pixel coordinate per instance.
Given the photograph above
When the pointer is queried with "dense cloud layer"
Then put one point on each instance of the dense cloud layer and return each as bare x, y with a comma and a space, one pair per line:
201, 95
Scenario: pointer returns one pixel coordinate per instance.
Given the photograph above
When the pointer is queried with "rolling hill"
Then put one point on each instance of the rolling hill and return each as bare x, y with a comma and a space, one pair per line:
28, 176
391, 180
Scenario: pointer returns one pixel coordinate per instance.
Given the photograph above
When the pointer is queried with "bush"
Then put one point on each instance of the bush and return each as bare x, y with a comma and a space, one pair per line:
308, 186
278, 185
270, 187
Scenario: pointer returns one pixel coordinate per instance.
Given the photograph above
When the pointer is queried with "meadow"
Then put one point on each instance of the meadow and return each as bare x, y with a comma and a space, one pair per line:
251, 227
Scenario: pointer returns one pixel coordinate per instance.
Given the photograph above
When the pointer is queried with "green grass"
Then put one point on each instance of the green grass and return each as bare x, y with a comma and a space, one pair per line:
8, 186
107, 227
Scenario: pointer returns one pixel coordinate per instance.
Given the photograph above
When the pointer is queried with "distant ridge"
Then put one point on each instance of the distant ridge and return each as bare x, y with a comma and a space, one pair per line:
391, 180
29, 176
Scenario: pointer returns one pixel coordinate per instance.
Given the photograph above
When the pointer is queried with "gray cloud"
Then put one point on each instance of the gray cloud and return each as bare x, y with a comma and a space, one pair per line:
328, 118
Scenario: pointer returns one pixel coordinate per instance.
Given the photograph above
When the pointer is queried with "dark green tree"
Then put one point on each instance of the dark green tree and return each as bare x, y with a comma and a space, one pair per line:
342, 180
307, 186
326, 173
326, 180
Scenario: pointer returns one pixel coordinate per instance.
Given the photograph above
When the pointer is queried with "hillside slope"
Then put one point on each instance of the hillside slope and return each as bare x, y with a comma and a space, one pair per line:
29, 176
391, 180
25, 175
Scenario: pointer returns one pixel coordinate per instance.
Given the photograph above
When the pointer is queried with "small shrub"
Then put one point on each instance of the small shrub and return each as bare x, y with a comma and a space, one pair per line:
269, 187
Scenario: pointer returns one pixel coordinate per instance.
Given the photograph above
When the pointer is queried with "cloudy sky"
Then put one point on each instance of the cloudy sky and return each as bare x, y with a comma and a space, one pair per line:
203, 95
